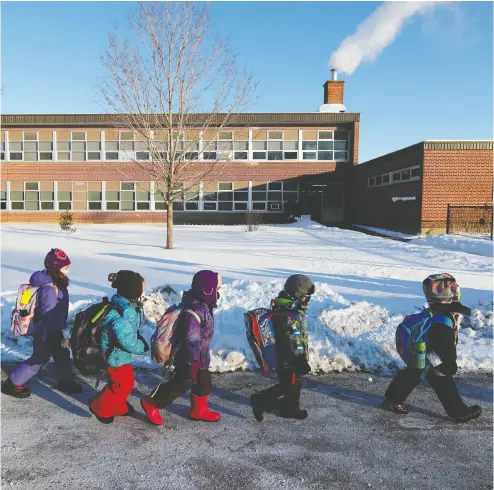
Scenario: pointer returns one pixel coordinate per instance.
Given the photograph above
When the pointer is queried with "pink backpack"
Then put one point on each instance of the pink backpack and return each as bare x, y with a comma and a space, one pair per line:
25, 308
163, 340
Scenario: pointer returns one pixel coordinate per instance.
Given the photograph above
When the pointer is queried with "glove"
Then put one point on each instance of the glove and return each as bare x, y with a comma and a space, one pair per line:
141, 338
194, 367
301, 366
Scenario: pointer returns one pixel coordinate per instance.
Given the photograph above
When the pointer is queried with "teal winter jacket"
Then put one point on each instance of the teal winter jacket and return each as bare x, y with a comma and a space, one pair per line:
120, 329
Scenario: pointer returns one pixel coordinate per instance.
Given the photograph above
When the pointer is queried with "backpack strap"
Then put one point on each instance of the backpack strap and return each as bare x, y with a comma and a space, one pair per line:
195, 315
442, 319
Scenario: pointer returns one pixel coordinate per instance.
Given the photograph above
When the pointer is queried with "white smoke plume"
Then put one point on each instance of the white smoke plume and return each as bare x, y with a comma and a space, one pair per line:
375, 34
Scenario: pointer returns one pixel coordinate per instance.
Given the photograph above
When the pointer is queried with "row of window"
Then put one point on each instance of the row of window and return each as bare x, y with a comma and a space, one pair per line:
32, 146
395, 177
144, 196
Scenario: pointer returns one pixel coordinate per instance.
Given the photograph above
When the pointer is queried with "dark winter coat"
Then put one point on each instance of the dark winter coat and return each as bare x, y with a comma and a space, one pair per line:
52, 306
289, 317
196, 336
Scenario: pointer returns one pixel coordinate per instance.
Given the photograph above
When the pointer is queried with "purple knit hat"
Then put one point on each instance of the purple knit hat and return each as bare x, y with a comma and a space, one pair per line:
205, 285
56, 259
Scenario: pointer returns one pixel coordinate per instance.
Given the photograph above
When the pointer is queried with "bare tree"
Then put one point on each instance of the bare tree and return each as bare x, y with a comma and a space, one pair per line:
175, 85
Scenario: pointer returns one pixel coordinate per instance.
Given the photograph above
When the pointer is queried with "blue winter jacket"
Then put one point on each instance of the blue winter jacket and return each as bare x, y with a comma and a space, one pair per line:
120, 329
52, 305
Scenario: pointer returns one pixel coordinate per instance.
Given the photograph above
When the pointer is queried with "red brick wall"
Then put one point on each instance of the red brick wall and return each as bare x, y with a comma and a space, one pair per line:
458, 177
333, 92
355, 142
83, 217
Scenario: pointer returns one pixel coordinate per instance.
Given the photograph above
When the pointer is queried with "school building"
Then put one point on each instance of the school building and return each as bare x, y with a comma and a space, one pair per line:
274, 164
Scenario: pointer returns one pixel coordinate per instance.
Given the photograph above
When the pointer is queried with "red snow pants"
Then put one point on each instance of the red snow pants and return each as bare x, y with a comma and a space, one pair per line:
112, 401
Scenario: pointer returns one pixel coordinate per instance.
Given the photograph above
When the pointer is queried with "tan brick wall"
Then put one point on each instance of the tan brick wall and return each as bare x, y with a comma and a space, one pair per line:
83, 217
457, 177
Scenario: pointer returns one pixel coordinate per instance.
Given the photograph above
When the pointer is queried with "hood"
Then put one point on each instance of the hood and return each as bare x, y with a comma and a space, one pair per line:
123, 303
283, 302
205, 286
40, 278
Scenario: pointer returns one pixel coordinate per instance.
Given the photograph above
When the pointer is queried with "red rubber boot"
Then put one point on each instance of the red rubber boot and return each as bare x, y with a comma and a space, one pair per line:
200, 411
152, 411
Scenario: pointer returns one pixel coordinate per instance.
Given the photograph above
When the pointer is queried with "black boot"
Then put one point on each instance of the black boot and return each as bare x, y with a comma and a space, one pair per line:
103, 420
130, 412
69, 387
266, 401
398, 408
472, 413
9, 388
290, 407
445, 388
399, 389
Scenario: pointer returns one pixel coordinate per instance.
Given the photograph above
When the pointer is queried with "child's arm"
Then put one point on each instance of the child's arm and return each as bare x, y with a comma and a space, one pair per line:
125, 334
442, 342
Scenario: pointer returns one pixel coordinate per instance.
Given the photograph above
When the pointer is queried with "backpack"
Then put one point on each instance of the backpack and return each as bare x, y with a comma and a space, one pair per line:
261, 336
25, 309
412, 336
164, 339
85, 338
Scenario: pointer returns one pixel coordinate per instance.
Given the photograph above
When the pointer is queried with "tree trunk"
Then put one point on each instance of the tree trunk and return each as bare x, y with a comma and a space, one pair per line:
169, 226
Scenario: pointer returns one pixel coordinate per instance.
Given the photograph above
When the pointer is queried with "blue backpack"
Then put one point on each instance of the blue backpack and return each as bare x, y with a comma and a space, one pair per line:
414, 329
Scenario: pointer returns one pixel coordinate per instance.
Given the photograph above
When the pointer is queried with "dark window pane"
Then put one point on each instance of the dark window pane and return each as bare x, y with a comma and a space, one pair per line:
340, 155
241, 196
191, 156
259, 187
225, 206
210, 196
341, 135
240, 155
257, 155
325, 155
47, 205
274, 186
379, 180
159, 206
275, 155
325, 145
385, 178
290, 186
290, 196
259, 196
2, 156
3, 205
290, 155
259, 206
209, 155
111, 155
142, 205
225, 196
94, 206
341, 145
415, 172
310, 155
112, 206
178, 206
46, 156
240, 206
94, 155
274, 196
371, 182
396, 176
17, 205
16, 156
405, 174
191, 206
64, 206
209, 206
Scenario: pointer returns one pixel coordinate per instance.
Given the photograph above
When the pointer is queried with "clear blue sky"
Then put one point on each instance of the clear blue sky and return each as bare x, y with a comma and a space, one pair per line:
434, 82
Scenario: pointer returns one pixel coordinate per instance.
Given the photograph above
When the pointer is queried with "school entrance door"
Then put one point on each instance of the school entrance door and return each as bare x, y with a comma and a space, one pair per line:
326, 203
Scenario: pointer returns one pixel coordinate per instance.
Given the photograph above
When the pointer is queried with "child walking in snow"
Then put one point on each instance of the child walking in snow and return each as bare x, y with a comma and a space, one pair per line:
443, 295
191, 362
120, 338
50, 318
290, 326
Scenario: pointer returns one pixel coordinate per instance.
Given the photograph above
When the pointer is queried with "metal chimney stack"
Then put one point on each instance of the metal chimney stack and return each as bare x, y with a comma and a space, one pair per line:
334, 74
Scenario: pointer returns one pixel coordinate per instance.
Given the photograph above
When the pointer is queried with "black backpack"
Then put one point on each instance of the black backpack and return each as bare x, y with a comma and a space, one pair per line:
85, 339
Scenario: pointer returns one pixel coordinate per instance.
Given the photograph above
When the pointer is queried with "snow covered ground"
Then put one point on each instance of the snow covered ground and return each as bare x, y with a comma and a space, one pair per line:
364, 284
477, 244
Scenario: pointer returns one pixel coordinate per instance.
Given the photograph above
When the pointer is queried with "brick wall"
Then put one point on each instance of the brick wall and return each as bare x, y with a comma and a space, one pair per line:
333, 91
83, 217
375, 206
457, 177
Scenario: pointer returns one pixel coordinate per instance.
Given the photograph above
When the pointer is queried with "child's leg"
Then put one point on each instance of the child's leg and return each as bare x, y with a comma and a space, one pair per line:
61, 356
402, 385
169, 391
292, 386
269, 399
30, 367
445, 388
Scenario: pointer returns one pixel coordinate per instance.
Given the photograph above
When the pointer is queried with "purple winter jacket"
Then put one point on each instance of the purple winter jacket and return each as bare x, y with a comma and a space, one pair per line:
197, 336
51, 309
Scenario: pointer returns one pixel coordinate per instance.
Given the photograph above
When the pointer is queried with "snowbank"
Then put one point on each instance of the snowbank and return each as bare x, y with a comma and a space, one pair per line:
476, 245
343, 335
390, 233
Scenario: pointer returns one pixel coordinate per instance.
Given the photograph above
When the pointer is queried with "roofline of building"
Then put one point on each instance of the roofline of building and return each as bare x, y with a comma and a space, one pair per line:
243, 119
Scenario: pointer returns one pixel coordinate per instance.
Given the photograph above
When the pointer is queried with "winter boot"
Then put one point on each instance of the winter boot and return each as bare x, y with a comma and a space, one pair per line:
103, 420
256, 404
152, 411
130, 411
69, 387
9, 388
472, 413
446, 391
266, 401
290, 407
200, 411
398, 408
